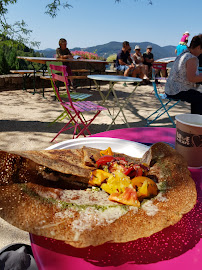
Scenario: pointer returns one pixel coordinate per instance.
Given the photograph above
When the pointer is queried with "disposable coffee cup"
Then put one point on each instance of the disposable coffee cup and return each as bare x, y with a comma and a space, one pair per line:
189, 138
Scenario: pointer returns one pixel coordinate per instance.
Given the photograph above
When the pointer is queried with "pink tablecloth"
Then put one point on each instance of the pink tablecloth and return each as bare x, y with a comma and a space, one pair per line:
177, 247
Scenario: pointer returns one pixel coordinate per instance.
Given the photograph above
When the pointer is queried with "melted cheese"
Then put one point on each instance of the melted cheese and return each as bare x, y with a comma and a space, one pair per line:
161, 198
91, 217
150, 208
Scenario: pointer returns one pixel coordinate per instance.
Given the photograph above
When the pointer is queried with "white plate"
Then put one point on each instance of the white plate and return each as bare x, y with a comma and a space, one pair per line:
132, 149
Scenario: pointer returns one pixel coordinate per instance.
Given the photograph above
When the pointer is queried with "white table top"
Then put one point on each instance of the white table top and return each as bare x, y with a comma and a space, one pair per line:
165, 60
113, 78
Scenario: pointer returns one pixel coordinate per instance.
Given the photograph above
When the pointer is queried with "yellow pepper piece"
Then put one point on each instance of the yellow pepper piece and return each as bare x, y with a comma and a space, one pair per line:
107, 152
117, 182
97, 177
146, 187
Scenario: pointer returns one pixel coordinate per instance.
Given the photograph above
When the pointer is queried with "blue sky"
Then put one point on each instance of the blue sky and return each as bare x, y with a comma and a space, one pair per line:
95, 22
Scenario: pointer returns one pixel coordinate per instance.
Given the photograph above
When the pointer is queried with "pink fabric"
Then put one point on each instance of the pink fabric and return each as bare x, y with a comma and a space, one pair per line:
142, 135
176, 247
184, 38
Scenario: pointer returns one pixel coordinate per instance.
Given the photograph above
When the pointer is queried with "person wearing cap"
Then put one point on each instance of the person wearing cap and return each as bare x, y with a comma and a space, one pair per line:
148, 60
138, 61
184, 39
124, 62
184, 76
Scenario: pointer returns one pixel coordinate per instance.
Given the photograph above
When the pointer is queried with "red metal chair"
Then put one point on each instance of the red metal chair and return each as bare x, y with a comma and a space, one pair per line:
75, 110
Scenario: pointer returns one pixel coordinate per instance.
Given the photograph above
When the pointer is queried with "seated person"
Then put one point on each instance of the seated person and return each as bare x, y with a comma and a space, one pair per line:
148, 60
181, 83
64, 53
124, 62
138, 61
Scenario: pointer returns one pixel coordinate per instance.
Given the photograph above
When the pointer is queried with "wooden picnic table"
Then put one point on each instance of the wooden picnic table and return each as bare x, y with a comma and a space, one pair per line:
90, 65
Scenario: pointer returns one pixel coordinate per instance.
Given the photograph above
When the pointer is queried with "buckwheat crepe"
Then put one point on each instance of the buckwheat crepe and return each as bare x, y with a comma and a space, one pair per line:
33, 199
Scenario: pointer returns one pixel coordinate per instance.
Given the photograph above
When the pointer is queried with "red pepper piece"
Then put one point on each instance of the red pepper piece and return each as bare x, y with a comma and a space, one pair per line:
104, 160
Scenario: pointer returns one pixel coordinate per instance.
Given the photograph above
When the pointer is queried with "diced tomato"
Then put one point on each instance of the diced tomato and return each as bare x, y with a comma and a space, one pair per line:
129, 170
121, 159
104, 160
128, 197
114, 166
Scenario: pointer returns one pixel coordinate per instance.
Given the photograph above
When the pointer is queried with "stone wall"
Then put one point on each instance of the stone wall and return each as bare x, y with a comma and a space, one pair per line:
15, 82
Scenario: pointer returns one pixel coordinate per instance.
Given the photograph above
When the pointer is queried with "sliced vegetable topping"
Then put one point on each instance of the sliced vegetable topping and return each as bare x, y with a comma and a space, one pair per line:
127, 183
128, 197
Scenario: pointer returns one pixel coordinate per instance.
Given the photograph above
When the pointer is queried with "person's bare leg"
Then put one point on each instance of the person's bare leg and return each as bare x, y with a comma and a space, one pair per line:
136, 71
146, 70
126, 73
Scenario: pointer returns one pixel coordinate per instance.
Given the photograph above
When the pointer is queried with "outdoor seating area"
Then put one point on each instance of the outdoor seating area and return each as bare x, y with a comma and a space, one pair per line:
26, 125
111, 106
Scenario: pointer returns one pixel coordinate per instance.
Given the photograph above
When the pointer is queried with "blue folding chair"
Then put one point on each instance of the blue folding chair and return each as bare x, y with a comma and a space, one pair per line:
164, 100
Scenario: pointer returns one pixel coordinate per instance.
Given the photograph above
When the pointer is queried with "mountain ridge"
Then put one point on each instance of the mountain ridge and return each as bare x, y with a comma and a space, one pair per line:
112, 47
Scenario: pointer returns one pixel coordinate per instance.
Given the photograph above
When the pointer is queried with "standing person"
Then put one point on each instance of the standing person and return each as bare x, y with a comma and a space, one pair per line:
124, 62
148, 60
138, 61
184, 38
180, 48
181, 83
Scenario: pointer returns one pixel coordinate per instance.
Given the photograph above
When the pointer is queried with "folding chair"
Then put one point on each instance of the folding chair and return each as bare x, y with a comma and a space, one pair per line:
75, 110
165, 101
156, 69
164, 108
74, 95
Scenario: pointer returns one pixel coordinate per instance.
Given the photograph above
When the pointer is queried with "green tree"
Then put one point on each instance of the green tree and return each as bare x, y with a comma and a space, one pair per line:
4, 67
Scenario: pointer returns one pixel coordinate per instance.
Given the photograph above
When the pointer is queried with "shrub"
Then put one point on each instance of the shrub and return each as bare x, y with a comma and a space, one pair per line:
111, 58
87, 55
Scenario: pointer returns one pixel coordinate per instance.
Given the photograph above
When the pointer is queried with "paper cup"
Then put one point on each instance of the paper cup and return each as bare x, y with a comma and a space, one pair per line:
189, 138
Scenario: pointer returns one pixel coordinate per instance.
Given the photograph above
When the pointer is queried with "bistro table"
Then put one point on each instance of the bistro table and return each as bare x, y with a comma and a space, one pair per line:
112, 80
165, 60
176, 247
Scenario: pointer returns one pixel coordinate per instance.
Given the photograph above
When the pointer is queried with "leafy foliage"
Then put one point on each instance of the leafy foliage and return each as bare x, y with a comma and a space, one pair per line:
9, 50
87, 55
111, 57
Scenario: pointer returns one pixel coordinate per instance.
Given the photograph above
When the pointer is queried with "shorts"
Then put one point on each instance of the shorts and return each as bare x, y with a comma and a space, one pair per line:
122, 67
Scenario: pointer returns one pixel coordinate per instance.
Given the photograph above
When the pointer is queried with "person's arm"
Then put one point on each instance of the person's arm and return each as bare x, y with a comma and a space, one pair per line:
191, 66
64, 56
122, 63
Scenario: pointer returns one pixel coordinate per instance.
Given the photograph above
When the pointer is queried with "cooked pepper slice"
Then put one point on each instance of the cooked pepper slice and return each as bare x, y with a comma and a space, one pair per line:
108, 152
97, 177
146, 187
